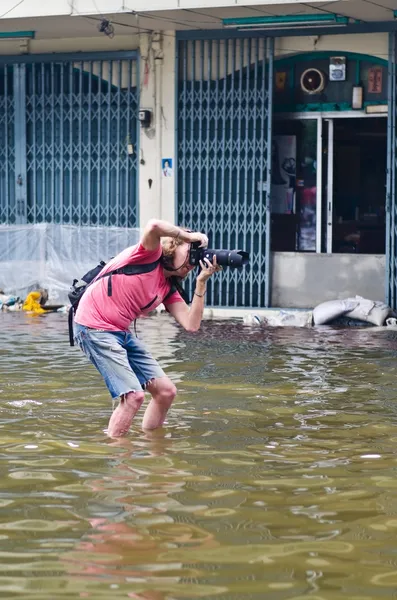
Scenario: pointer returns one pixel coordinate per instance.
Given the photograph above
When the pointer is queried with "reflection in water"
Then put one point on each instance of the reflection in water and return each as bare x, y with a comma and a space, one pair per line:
274, 477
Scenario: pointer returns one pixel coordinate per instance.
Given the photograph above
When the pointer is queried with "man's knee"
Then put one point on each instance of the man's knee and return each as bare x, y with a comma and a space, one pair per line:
133, 399
165, 392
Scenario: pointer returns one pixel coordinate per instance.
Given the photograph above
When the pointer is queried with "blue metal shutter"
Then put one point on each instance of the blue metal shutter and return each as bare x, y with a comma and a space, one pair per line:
224, 153
8, 207
69, 142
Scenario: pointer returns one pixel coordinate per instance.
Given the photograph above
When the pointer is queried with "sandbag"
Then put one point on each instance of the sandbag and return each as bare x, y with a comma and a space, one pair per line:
252, 320
332, 309
282, 318
370, 311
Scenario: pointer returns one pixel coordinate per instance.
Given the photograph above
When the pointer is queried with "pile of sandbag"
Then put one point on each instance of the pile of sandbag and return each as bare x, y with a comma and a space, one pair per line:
280, 318
358, 308
284, 318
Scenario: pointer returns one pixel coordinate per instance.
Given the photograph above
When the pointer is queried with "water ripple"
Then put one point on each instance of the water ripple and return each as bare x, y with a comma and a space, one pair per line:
275, 474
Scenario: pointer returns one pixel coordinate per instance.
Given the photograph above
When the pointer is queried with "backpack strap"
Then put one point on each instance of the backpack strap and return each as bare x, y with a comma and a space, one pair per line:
70, 323
129, 270
172, 291
176, 286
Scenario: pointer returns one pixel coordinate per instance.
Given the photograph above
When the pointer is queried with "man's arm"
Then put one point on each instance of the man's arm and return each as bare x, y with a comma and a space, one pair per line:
156, 229
190, 318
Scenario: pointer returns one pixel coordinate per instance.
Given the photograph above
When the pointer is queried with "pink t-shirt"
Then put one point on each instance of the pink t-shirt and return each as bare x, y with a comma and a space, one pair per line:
132, 295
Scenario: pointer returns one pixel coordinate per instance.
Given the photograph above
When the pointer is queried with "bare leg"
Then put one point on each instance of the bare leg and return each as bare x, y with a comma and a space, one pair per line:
121, 419
163, 393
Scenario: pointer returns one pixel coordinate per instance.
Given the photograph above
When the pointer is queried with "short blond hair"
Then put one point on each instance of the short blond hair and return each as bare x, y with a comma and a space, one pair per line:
170, 244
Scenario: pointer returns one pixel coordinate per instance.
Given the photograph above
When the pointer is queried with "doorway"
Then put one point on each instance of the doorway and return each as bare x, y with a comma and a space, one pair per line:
328, 185
356, 215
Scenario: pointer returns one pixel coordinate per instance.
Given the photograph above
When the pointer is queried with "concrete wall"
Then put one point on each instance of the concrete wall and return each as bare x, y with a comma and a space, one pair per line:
303, 280
374, 44
95, 43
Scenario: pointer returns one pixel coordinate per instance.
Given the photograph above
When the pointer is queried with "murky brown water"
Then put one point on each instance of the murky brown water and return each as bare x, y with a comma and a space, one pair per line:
275, 477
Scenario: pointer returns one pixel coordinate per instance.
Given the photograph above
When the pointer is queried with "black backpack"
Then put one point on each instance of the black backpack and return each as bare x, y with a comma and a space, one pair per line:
79, 286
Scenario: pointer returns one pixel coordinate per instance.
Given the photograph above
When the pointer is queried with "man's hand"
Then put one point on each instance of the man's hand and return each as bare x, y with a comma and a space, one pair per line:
190, 318
195, 236
208, 269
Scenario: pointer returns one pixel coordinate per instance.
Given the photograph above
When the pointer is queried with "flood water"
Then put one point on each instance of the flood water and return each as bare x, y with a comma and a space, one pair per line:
275, 476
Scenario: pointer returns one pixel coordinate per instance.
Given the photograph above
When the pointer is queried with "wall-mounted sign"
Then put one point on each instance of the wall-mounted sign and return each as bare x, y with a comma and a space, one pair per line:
166, 167
337, 68
281, 80
375, 82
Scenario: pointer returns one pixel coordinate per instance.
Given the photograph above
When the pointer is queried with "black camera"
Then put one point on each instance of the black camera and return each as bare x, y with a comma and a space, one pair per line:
224, 258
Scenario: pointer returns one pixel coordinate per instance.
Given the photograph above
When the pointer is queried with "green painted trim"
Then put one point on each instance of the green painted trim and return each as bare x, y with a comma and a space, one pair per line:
321, 107
296, 19
292, 77
358, 71
295, 58
290, 61
285, 31
313, 107
17, 34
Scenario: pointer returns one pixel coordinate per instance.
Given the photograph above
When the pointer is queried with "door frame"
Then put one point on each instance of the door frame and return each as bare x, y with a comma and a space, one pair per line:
321, 117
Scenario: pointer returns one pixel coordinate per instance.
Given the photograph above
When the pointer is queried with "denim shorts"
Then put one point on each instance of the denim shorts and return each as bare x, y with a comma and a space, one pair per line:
120, 357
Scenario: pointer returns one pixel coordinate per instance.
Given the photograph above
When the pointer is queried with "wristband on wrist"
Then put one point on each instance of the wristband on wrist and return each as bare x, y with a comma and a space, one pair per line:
199, 295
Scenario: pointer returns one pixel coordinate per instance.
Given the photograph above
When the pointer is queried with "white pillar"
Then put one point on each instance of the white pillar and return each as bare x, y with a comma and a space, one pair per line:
148, 207
168, 184
157, 93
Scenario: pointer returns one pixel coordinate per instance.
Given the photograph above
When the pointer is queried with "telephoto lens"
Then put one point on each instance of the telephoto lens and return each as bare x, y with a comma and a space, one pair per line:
224, 258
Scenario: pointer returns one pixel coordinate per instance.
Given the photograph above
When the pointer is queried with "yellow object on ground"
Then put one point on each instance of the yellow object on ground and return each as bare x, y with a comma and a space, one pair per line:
32, 303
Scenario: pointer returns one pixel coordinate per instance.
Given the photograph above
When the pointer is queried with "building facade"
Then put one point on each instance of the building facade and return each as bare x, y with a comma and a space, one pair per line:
273, 133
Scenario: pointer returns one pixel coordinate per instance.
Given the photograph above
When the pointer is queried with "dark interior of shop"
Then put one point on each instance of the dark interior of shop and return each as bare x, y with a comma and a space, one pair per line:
359, 193
359, 186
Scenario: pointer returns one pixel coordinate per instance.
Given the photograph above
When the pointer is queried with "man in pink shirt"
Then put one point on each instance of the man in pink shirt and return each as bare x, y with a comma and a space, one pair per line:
102, 322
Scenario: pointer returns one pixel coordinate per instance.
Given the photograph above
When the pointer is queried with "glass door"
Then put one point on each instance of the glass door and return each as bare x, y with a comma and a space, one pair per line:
296, 185
328, 183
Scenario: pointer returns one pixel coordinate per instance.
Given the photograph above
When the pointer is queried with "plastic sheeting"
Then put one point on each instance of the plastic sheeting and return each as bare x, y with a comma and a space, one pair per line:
51, 256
